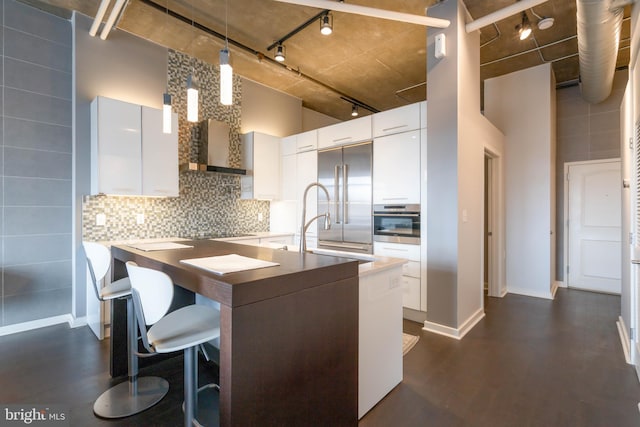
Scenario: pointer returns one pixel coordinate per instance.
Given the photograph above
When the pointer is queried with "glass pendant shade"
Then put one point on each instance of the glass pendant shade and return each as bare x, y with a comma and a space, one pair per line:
192, 99
226, 78
166, 113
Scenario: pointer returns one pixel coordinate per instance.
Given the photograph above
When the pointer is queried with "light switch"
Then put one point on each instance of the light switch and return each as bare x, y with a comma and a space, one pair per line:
465, 216
140, 218
260, 217
101, 219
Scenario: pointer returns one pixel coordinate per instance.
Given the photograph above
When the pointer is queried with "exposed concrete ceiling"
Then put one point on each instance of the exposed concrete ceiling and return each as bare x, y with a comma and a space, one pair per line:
380, 63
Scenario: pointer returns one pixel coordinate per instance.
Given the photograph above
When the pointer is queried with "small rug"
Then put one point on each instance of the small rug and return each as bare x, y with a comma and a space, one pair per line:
408, 341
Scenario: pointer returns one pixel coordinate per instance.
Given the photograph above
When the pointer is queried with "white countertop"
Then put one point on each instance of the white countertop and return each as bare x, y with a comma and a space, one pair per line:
375, 263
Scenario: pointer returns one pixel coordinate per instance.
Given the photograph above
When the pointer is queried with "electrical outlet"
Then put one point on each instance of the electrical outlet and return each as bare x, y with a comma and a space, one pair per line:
101, 219
260, 217
140, 218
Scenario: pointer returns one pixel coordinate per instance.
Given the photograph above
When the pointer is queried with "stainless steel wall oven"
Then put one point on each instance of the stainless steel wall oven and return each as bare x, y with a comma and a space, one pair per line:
396, 223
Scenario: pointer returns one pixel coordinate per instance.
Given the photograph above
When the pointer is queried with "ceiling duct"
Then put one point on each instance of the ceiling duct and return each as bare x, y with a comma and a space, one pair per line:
598, 41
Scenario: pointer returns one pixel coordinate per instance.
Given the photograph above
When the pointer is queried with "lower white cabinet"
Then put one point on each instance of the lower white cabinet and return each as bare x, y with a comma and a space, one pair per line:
410, 271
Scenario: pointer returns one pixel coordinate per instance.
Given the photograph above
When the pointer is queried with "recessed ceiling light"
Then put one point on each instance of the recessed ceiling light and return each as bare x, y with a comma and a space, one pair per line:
545, 23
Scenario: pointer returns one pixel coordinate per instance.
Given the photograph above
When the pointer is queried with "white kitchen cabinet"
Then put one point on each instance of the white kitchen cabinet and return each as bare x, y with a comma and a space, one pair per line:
116, 147
159, 155
397, 120
396, 168
423, 115
411, 275
288, 174
130, 155
411, 292
261, 156
307, 141
288, 145
306, 173
348, 132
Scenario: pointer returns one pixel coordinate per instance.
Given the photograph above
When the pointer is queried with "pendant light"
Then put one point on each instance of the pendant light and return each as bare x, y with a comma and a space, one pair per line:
226, 71
192, 84
166, 113
166, 98
354, 110
192, 98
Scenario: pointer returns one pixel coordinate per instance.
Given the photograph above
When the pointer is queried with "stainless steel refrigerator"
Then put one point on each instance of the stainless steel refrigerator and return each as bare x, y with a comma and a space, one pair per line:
346, 172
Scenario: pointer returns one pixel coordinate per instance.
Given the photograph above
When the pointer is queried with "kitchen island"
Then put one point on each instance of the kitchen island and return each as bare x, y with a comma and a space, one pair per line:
289, 333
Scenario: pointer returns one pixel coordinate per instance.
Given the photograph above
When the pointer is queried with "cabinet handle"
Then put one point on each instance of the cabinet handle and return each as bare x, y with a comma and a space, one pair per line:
395, 249
305, 146
394, 127
395, 198
336, 192
346, 138
345, 192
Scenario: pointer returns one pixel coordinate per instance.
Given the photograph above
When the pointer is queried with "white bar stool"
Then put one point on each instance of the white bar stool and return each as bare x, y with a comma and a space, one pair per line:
136, 394
184, 329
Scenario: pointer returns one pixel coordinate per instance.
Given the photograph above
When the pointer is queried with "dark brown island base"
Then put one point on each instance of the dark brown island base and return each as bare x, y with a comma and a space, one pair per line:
289, 333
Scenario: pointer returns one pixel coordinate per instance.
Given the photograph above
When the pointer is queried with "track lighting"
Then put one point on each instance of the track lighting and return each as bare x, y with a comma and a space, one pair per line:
226, 78
192, 98
166, 113
354, 110
280, 53
524, 28
326, 24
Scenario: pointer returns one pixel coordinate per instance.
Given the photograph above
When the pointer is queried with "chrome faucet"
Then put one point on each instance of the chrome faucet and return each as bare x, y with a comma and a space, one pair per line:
327, 215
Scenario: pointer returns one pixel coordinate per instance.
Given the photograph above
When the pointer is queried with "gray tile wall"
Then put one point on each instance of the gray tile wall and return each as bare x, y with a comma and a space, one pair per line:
35, 164
584, 132
209, 203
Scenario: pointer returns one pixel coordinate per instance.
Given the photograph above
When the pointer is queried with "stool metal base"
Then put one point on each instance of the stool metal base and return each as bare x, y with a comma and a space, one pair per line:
208, 406
118, 402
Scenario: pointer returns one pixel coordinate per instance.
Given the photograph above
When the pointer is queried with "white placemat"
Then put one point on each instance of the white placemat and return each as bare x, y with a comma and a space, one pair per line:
159, 246
228, 263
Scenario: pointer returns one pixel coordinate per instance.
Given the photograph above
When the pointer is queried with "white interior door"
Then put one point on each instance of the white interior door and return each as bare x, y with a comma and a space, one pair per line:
594, 215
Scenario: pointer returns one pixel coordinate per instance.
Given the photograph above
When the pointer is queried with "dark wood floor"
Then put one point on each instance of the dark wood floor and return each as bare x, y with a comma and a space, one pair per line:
530, 362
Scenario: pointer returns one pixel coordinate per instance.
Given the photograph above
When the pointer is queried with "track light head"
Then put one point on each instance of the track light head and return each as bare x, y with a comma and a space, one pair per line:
280, 53
326, 24
354, 110
524, 27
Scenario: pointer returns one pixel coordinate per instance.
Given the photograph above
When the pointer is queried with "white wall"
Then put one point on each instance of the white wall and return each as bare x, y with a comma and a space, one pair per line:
529, 173
457, 138
269, 111
626, 160
313, 120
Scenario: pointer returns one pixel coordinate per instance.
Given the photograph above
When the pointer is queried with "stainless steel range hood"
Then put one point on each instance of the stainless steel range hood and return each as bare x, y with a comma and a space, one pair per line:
210, 141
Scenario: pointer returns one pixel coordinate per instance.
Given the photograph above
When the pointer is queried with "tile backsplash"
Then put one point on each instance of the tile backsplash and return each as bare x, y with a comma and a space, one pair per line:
208, 203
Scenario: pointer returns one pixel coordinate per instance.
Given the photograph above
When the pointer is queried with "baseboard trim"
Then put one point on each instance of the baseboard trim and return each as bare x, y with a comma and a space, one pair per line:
526, 292
624, 339
41, 323
503, 292
77, 322
456, 333
561, 284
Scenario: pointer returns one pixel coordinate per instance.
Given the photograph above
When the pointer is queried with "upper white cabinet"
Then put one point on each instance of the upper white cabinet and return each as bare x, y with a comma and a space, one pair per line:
306, 173
345, 133
116, 147
396, 168
423, 115
398, 120
307, 141
129, 153
159, 155
288, 145
261, 156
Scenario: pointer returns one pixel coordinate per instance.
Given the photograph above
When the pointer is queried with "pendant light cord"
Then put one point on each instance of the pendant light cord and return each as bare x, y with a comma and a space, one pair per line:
226, 24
